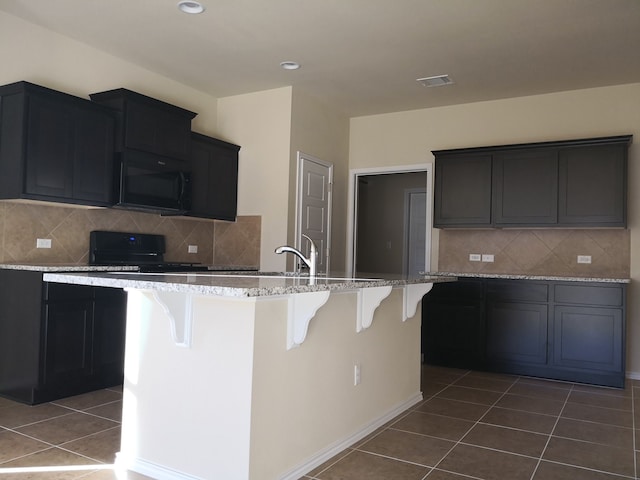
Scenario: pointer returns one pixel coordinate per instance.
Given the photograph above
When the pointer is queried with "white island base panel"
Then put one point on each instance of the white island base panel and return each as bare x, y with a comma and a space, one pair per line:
238, 404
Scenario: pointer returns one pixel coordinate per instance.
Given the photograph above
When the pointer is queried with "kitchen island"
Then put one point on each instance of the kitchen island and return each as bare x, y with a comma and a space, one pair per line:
260, 376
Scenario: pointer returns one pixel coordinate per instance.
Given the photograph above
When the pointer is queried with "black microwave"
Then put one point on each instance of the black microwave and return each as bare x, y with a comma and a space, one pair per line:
150, 182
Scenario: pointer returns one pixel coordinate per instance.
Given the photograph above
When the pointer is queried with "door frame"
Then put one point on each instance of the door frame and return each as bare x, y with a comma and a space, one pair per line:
352, 214
301, 157
407, 224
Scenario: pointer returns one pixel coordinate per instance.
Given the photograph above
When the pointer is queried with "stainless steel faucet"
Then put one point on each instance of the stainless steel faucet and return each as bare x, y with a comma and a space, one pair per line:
310, 262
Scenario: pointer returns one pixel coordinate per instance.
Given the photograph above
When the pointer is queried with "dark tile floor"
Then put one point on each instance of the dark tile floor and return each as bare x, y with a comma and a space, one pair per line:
471, 425
476, 425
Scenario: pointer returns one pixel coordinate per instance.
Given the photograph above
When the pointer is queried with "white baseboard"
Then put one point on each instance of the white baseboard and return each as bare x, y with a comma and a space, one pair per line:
150, 469
159, 472
633, 375
336, 447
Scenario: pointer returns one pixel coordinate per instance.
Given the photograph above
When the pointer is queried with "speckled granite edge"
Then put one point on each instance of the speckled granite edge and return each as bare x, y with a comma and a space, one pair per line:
110, 268
229, 285
531, 277
68, 268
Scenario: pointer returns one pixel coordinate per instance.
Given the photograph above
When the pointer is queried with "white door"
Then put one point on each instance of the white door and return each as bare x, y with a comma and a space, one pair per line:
415, 231
313, 207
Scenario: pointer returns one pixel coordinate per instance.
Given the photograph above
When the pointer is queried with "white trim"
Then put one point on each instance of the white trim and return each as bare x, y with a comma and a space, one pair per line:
150, 469
633, 375
338, 446
352, 214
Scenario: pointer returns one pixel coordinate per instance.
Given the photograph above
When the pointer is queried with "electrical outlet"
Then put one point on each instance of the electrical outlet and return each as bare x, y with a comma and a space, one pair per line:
475, 257
584, 258
487, 257
192, 249
43, 243
356, 374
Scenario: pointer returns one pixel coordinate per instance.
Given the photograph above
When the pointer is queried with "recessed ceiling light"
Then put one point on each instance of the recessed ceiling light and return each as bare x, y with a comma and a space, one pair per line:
187, 6
436, 81
289, 65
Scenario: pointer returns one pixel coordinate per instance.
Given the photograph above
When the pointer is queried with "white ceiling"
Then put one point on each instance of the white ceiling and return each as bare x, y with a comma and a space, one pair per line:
364, 56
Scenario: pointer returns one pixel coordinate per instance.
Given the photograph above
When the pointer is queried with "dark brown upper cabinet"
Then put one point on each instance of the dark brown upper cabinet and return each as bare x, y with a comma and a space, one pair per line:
574, 183
54, 146
214, 173
463, 190
149, 125
525, 188
593, 185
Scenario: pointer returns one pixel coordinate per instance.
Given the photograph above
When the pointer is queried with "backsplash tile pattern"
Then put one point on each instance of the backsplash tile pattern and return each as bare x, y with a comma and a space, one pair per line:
538, 252
219, 243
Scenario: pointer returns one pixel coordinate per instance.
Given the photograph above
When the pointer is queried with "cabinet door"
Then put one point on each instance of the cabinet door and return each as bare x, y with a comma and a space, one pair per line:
453, 324
462, 191
68, 330
593, 186
154, 130
110, 310
588, 338
214, 167
516, 333
49, 148
93, 156
525, 188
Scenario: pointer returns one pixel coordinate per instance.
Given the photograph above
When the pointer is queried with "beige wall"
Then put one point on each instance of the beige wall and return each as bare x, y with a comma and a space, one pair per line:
261, 123
408, 137
29, 52
320, 131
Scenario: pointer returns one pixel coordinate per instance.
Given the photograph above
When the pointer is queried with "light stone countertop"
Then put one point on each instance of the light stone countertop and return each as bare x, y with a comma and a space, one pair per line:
55, 267
234, 285
530, 277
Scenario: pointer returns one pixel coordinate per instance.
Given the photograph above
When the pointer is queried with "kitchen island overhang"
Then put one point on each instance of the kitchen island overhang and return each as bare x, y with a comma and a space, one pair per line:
253, 377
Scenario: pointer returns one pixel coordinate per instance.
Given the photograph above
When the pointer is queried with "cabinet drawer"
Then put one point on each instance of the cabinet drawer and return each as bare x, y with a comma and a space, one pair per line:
61, 292
590, 294
515, 290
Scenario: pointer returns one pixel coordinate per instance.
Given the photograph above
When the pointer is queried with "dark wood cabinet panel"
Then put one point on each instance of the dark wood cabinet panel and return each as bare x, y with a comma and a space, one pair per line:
525, 188
593, 186
462, 191
563, 330
214, 186
516, 334
550, 184
453, 324
589, 338
54, 146
58, 340
148, 124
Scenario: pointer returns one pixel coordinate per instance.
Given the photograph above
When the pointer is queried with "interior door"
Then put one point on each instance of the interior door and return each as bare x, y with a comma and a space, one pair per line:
315, 178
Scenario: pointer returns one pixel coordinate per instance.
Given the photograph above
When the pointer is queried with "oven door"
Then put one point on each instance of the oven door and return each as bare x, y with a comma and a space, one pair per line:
153, 183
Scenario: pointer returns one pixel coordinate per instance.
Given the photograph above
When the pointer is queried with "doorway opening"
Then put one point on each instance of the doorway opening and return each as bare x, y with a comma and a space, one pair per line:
390, 220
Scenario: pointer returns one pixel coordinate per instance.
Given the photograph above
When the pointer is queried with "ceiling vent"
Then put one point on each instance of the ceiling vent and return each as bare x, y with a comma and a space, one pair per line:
437, 81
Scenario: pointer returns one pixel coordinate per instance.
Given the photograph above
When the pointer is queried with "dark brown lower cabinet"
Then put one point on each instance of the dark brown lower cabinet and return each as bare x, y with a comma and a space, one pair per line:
58, 340
561, 330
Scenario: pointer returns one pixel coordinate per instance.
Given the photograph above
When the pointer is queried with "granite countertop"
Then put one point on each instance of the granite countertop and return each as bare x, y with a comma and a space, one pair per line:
530, 277
54, 267
234, 285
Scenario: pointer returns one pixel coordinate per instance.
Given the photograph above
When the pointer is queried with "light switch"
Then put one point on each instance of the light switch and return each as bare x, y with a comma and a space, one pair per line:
475, 257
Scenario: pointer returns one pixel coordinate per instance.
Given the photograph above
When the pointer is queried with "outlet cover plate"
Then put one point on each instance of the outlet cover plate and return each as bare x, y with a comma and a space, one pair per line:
487, 257
475, 257
43, 243
584, 258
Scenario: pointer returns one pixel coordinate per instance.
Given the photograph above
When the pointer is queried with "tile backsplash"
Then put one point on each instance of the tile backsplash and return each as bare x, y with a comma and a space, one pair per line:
219, 243
538, 252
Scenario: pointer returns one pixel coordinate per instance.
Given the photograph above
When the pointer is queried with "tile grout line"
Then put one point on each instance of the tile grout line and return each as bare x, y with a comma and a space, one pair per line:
566, 400
477, 422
